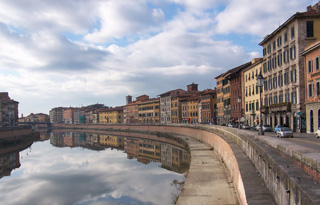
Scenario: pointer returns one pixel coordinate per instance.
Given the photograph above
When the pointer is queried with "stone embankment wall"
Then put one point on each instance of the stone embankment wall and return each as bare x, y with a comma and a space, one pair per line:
277, 174
7, 133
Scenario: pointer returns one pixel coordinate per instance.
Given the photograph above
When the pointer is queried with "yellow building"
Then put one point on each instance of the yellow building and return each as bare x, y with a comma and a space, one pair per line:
193, 109
150, 150
112, 141
251, 92
149, 110
220, 106
111, 115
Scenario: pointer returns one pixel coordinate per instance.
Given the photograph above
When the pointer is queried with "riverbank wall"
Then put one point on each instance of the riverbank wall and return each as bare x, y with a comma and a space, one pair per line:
286, 183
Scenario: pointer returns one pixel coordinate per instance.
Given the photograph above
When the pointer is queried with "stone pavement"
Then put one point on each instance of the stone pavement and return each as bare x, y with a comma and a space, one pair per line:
207, 181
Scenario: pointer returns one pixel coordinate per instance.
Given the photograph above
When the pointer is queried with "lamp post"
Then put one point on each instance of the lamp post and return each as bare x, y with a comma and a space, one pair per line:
239, 116
260, 82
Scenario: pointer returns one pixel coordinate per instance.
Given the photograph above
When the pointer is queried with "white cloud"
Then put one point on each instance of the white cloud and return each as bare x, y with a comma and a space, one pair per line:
257, 17
61, 53
124, 18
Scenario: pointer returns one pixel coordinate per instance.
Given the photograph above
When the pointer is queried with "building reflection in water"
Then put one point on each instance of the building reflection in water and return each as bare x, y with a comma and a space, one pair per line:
9, 162
173, 157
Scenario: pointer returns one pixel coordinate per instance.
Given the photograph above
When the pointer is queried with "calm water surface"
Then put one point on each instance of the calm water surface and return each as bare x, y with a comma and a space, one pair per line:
83, 168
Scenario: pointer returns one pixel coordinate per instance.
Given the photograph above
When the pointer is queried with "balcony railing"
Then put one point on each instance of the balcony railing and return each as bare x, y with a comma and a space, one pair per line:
279, 107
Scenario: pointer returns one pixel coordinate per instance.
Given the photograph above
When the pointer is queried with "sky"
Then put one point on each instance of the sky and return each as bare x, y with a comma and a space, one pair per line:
79, 52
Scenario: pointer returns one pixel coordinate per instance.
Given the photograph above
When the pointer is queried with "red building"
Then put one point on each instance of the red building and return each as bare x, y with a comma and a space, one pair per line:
236, 93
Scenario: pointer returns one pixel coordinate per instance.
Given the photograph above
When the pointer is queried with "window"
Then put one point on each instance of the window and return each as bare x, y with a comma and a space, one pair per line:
257, 89
280, 79
292, 31
316, 63
286, 77
264, 51
264, 67
309, 29
252, 89
293, 75
294, 97
318, 88
310, 90
310, 69
269, 64
246, 91
249, 106
287, 97
286, 56
257, 105
293, 52
279, 41
270, 100
275, 99
285, 36
252, 105
274, 61
265, 101
249, 90
279, 58
280, 97
275, 81
265, 85
246, 107
274, 45
270, 83
269, 49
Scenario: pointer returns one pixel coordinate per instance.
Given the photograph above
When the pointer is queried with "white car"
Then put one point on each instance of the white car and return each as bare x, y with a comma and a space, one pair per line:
318, 133
284, 132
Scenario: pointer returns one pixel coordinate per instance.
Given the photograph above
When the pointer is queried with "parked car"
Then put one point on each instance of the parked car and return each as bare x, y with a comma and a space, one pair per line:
265, 128
284, 132
231, 125
245, 126
318, 133
277, 127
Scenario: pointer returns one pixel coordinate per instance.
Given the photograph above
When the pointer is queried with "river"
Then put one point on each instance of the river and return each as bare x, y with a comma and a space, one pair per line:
87, 168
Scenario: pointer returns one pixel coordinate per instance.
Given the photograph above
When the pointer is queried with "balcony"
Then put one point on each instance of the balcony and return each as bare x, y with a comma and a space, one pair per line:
280, 107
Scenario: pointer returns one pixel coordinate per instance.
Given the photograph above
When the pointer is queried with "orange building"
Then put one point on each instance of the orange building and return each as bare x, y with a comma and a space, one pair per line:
312, 87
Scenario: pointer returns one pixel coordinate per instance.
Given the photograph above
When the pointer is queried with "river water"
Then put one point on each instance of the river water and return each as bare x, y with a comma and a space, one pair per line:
87, 168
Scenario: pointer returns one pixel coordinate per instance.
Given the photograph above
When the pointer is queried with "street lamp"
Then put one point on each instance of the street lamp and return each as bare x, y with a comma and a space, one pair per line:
239, 116
260, 82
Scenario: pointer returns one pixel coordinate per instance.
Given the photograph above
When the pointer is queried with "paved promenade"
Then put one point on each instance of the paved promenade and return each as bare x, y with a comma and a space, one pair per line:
208, 181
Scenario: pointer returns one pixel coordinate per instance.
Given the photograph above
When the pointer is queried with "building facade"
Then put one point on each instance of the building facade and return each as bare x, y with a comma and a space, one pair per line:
220, 106
170, 106
110, 115
149, 111
283, 69
312, 87
8, 110
207, 112
251, 93
236, 93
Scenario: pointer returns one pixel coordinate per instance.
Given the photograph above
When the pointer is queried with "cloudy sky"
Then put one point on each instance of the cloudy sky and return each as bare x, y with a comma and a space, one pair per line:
80, 52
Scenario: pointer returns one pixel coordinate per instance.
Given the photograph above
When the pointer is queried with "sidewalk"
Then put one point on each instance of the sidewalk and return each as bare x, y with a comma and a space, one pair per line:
207, 181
